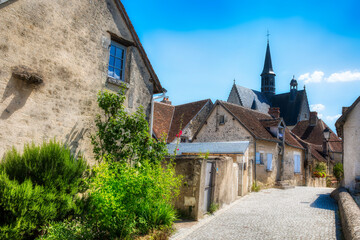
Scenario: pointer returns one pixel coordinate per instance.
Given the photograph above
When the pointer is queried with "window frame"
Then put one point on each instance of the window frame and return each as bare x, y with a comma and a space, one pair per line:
261, 160
112, 79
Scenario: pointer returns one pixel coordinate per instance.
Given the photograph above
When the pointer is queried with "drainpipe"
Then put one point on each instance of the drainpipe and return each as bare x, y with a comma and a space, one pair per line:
255, 160
153, 98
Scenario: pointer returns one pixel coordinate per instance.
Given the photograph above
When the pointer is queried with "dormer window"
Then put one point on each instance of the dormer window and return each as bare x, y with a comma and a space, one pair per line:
116, 70
281, 133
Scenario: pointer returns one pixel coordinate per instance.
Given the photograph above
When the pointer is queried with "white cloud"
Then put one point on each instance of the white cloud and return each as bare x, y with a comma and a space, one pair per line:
320, 115
317, 107
315, 77
333, 118
347, 76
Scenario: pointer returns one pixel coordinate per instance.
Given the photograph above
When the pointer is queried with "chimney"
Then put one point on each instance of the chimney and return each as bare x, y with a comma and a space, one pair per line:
274, 112
313, 119
344, 109
166, 101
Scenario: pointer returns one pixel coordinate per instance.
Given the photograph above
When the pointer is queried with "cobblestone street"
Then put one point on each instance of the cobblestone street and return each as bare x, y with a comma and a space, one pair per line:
299, 213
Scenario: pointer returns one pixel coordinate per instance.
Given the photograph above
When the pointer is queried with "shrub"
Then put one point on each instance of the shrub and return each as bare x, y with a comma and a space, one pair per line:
320, 167
38, 186
213, 208
133, 187
127, 200
338, 171
255, 187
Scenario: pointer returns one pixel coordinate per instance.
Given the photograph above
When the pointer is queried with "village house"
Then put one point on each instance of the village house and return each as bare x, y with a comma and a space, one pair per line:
275, 156
324, 150
169, 120
54, 60
348, 128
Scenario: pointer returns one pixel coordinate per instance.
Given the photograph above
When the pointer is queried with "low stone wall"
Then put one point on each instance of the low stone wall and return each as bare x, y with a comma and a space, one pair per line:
316, 182
349, 213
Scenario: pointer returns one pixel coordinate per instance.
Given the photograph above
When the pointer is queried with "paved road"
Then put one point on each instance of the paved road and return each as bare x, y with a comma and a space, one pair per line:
299, 213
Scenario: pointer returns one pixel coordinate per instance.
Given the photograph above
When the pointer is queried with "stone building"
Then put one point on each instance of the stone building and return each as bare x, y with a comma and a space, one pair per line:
348, 128
275, 156
312, 132
55, 56
169, 119
294, 105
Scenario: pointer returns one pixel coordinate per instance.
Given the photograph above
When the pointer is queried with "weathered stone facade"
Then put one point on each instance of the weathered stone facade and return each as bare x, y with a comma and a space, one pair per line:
295, 179
67, 43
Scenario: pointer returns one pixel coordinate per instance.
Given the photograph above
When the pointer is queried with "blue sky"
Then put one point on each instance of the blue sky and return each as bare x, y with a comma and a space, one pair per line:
198, 47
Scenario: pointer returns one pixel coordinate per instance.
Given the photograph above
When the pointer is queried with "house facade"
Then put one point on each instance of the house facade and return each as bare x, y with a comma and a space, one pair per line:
274, 154
348, 128
55, 57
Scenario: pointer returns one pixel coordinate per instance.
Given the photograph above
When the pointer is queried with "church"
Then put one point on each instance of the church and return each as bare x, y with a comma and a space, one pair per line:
293, 106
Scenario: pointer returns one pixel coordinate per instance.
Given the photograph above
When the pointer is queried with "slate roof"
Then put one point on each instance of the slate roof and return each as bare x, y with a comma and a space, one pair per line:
341, 121
289, 110
252, 99
268, 69
170, 119
314, 134
238, 147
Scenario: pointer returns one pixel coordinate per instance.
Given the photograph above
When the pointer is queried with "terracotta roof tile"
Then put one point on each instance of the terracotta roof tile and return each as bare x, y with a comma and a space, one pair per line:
291, 140
314, 134
183, 115
163, 114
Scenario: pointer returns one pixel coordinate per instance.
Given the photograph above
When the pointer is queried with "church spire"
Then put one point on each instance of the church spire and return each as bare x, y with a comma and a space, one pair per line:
268, 75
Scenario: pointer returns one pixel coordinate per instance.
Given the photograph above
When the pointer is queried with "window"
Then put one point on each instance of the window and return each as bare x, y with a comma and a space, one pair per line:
269, 162
117, 59
297, 164
259, 157
221, 119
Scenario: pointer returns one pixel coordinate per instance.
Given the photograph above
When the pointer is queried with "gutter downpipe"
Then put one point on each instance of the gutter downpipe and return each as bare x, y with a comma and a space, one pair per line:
152, 109
255, 160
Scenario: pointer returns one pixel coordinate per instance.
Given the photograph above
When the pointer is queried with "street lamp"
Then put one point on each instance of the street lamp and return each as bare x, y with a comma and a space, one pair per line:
326, 133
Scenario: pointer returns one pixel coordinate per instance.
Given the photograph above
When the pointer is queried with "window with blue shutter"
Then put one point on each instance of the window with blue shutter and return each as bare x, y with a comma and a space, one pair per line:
297, 164
117, 59
269, 162
257, 158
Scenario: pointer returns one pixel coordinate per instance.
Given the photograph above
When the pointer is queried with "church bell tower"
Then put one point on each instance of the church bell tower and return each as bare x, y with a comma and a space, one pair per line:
268, 75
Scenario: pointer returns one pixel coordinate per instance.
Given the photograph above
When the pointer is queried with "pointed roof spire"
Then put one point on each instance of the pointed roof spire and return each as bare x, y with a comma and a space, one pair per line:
268, 69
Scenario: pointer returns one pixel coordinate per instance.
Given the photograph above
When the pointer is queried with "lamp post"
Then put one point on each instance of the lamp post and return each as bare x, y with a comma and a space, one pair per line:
326, 133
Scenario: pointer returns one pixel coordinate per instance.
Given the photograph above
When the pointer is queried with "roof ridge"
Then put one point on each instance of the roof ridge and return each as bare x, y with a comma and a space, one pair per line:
164, 104
237, 105
208, 99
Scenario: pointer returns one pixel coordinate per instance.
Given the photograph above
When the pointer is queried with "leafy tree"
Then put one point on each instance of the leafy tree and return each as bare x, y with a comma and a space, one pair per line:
124, 137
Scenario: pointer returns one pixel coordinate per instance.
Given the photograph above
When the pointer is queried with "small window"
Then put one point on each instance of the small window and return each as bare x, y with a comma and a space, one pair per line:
297, 164
222, 120
183, 139
117, 59
260, 158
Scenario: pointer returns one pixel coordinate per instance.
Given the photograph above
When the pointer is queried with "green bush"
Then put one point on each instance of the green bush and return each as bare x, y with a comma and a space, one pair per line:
127, 200
38, 186
255, 187
320, 167
76, 229
213, 208
338, 171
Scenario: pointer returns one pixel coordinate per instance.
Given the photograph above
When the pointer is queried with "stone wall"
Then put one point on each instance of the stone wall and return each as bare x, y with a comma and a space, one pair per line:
190, 201
264, 177
67, 43
349, 214
294, 179
351, 132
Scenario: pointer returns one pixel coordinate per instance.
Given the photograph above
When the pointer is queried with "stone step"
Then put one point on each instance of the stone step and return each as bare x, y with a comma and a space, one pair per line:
286, 187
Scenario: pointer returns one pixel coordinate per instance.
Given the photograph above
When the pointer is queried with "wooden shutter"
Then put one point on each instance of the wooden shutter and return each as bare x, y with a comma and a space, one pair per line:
269, 162
257, 158
297, 165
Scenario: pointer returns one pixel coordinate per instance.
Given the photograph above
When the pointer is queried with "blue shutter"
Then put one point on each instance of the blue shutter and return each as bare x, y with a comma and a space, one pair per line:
297, 165
269, 161
257, 158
